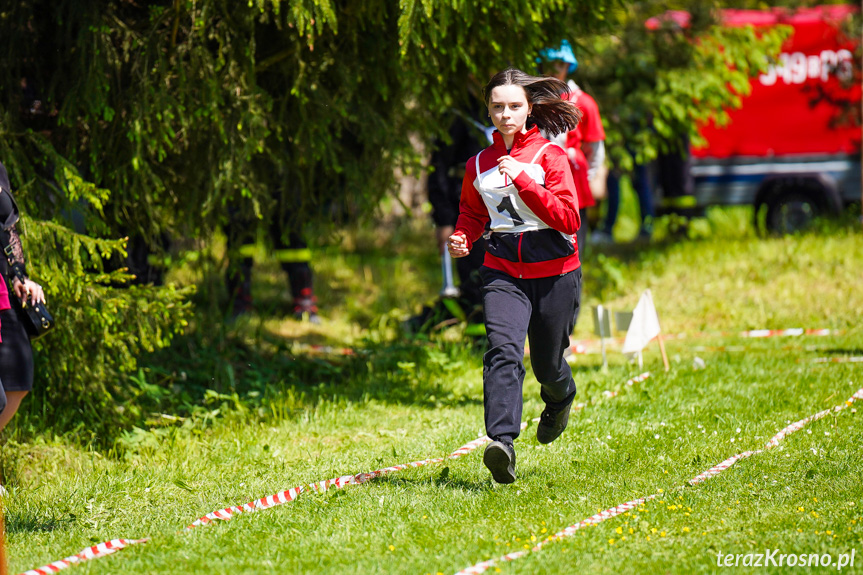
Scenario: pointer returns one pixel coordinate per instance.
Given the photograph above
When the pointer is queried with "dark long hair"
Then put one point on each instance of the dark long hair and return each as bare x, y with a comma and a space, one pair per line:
549, 111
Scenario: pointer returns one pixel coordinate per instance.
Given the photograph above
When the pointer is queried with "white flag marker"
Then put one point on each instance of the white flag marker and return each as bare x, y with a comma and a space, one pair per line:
644, 327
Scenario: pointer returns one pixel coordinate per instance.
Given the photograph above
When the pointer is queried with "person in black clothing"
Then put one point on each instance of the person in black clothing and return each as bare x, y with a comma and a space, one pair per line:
290, 250
16, 355
468, 136
675, 177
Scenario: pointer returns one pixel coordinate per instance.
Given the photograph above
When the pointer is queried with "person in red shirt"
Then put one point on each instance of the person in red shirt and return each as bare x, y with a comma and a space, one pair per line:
521, 188
585, 145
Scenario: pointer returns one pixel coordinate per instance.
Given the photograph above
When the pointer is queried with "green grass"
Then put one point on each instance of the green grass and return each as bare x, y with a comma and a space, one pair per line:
282, 419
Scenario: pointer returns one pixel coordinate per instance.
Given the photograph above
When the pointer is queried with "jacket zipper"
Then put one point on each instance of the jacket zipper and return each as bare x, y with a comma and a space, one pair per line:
520, 263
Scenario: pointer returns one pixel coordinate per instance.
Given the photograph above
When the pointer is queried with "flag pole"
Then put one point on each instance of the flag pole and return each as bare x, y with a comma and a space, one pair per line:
659, 335
664, 355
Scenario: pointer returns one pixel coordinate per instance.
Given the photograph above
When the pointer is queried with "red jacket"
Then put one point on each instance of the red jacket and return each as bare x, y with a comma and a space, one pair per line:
532, 235
589, 130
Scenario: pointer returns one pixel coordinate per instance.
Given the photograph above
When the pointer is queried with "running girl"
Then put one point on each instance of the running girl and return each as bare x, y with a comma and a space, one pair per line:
522, 188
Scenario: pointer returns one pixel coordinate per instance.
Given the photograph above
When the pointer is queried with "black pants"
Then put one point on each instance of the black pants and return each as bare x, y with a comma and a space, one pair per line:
542, 311
239, 275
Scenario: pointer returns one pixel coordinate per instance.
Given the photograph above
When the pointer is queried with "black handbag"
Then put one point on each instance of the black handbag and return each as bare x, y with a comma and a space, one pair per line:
36, 318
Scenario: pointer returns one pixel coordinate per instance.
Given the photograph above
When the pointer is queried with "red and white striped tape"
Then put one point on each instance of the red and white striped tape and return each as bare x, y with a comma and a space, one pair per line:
360, 478
629, 505
286, 496
584, 346
797, 331
835, 360
94, 552
339, 482
103, 549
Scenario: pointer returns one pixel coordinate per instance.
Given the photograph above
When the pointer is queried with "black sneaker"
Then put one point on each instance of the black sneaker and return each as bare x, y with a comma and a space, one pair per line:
499, 457
552, 422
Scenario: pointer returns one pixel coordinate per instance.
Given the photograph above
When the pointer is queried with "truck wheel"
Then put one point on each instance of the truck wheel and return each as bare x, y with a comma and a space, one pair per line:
790, 213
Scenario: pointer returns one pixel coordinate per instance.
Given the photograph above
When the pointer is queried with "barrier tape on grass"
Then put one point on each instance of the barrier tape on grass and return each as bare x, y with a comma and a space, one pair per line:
337, 482
323, 349
103, 549
94, 552
227, 513
630, 505
836, 360
585, 346
360, 478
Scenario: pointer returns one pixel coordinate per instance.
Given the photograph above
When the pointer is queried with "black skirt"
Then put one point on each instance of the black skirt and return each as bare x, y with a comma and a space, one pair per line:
16, 355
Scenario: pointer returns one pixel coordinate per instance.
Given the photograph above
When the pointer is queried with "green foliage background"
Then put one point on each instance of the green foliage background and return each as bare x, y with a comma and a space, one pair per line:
163, 117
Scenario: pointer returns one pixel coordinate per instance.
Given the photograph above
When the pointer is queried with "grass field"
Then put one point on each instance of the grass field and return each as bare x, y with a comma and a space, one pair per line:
280, 417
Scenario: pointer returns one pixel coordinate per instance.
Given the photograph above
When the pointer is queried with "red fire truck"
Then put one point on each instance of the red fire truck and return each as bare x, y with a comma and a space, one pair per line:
793, 149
